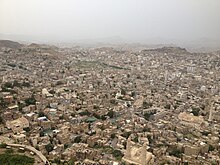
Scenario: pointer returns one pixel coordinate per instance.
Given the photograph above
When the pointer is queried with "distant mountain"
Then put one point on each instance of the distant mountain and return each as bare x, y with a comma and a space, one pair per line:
165, 49
10, 44
202, 45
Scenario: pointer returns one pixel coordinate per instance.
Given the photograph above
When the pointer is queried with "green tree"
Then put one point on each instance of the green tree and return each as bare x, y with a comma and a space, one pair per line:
111, 114
49, 147
135, 139
123, 92
175, 152
3, 145
126, 134
147, 105
113, 135
1, 120
41, 114
9, 151
148, 115
85, 113
30, 101
26, 84
15, 159
211, 148
77, 139
167, 106
41, 133
27, 129
66, 146
3, 104
195, 111
117, 154
7, 85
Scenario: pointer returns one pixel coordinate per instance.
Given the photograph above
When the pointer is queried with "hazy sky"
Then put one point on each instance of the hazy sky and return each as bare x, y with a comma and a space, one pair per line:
134, 20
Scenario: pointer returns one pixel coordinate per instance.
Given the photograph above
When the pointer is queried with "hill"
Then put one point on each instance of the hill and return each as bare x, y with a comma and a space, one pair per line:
10, 44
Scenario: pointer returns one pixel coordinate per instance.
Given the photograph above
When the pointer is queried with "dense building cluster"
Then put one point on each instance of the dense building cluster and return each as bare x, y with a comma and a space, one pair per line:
111, 106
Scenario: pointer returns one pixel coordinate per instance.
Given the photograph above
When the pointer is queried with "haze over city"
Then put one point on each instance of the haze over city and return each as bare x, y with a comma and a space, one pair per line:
142, 21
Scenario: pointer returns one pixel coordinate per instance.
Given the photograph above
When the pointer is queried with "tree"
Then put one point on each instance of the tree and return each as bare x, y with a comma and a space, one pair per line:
3, 145
205, 133
195, 111
146, 129
41, 133
66, 146
52, 91
1, 120
26, 84
136, 139
113, 135
95, 107
96, 116
124, 144
71, 162
85, 113
123, 92
111, 114
175, 106
30, 101
113, 101
133, 94
16, 84
27, 129
37, 147
167, 106
175, 152
103, 117
49, 147
56, 160
20, 106
77, 139
7, 85
211, 148
150, 139
9, 151
126, 134
117, 154
3, 104
15, 159
41, 114
147, 105
148, 115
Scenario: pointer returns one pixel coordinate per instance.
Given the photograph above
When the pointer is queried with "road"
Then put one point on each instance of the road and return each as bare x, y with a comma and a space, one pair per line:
38, 153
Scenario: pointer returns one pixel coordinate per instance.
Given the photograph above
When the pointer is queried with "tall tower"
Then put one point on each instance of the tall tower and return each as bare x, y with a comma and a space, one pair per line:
128, 149
143, 154
166, 75
210, 106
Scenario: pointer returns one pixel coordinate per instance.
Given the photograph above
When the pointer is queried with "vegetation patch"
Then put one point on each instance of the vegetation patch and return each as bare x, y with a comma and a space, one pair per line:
15, 159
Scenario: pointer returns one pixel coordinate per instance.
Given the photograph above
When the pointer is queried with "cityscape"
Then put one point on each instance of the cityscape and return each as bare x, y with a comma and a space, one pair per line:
106, 105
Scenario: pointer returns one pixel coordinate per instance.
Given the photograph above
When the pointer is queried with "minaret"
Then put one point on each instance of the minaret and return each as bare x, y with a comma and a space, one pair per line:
128, 149
166, 77
143, 154
210, 111
3, 79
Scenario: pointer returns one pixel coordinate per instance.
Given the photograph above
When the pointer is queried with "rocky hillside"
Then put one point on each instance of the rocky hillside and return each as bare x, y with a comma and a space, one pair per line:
10, 44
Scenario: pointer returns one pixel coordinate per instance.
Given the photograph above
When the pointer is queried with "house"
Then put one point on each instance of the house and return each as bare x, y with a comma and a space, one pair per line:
18, 125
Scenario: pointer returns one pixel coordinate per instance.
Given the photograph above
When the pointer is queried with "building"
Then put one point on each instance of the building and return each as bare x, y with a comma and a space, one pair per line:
18, 125
138, 155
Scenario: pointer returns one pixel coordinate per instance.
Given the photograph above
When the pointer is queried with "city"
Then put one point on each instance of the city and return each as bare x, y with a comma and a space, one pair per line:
107, 105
